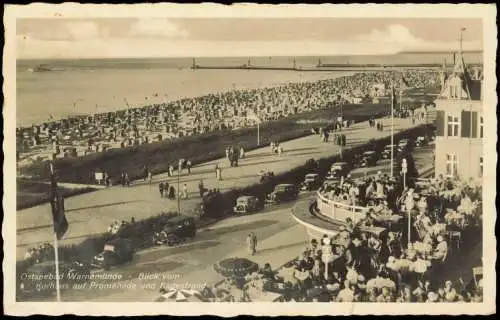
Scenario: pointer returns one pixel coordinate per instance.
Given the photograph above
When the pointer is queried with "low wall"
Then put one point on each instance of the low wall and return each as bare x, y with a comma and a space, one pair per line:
339, 211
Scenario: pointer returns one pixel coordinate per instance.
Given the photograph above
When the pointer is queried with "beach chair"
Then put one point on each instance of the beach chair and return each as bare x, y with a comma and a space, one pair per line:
477, 274
454, 238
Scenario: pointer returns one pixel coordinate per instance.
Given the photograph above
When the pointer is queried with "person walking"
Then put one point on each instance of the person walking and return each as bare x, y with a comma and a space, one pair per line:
122, 179
201, 188
218, 173
171, 193
165, 188
251, 244
127, 180
170, 170
188, 166
160, 188
184, 191
150, 176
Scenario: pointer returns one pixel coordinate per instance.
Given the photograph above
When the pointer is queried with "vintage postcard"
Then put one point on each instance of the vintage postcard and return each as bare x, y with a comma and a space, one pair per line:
249, 159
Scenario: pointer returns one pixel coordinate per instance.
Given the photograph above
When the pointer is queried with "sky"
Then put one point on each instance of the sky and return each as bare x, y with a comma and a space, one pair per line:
43, 38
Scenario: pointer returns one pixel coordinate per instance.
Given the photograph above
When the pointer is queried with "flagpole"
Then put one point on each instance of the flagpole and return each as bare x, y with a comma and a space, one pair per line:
392, 128
258, 126
56, 245
179, 188
56, 256
258, 119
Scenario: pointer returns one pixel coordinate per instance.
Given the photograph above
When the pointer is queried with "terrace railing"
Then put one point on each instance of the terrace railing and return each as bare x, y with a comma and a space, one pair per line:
339, 211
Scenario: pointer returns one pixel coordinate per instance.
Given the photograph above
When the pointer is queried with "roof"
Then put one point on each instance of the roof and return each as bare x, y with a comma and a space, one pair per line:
284, 185
339, 164
471, 84
312, 174
245, 197
369, 152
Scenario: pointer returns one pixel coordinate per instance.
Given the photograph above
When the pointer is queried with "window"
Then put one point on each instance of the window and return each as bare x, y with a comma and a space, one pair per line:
451, 165
453, 126
481, 124
480, 167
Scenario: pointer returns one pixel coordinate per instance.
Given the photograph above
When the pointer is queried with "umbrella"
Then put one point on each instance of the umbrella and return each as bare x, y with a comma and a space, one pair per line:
181, 295
238, 267
380, 283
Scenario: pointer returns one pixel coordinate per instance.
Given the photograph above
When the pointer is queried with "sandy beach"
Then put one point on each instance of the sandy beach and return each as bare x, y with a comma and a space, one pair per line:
61, 94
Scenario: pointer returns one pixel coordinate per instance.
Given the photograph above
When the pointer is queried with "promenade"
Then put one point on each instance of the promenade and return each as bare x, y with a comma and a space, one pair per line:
92, 213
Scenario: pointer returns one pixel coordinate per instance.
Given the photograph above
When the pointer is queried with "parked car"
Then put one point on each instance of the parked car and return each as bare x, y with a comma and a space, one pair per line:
177, 230
421, 141
337, 170
386, 153
404, 145
368, 159
114, 253
248, 204
39, 279
283, 193
311, 182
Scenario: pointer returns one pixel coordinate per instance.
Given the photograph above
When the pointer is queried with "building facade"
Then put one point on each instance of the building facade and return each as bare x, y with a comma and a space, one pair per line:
459, 124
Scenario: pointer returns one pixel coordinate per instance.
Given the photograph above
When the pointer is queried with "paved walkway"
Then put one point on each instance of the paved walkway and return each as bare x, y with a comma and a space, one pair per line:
92, 213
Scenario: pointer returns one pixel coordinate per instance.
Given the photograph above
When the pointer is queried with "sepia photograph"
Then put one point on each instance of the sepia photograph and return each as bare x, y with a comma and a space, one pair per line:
249, 159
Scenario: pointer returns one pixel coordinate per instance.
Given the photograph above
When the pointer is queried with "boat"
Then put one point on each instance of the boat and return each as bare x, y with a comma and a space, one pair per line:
44, 68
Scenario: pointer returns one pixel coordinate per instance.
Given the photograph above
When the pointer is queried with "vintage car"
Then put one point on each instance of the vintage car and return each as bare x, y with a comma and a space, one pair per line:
248, 204
283, 193
337, 170
404, 145
175, 231
368, 159
311, 182
114, 253
421, 141
38, 280
386, 153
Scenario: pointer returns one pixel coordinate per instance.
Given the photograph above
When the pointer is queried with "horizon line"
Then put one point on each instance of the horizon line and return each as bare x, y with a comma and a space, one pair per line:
254, 56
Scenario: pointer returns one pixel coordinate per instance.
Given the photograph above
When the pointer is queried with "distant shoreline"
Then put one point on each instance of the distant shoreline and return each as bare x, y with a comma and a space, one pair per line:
244, 57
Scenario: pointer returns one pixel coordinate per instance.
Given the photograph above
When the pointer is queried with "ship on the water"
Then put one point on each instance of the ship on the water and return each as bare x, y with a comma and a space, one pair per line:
44, 68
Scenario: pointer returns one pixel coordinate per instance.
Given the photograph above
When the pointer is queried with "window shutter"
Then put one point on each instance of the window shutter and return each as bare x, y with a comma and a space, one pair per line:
465, 124
440, 123
474, 124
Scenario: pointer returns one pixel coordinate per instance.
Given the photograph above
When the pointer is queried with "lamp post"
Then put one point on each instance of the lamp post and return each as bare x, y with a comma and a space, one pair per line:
326, 254
404, 170
179, 168
409, 204
392, 127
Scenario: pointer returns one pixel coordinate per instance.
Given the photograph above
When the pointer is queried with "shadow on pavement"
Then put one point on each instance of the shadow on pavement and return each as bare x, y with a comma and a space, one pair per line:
256, 163
291, 153
103, 205
162, 252
34, 228
290, 245
240, 227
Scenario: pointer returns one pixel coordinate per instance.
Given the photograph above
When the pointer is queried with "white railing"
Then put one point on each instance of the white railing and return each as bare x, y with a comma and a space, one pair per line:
339, 211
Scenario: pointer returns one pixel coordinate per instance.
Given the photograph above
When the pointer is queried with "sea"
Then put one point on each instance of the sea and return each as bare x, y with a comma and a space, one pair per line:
88, 86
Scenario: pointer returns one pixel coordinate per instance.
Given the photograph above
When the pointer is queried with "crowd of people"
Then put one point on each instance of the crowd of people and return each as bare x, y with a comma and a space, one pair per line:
191, 116
357, 265
40, 253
